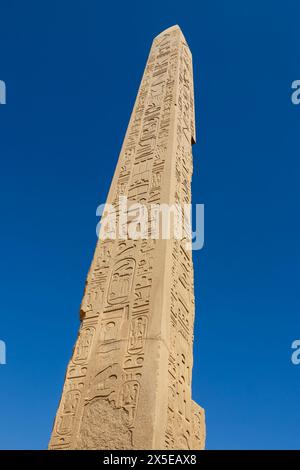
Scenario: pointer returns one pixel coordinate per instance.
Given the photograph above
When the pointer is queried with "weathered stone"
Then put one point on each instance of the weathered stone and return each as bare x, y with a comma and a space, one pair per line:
128, 384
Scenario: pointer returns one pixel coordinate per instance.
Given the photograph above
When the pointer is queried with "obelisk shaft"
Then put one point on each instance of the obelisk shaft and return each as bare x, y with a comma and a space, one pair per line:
128, 383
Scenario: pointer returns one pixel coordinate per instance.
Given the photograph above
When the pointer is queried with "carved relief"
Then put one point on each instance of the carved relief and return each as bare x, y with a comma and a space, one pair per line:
83, 345
133, 362
198, 426
129, 399
75, 370
69, 407
104, 383
121, 281
137, 334
110, 330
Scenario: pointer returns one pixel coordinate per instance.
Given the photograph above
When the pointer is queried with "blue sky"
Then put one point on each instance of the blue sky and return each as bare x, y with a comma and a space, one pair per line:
72, 70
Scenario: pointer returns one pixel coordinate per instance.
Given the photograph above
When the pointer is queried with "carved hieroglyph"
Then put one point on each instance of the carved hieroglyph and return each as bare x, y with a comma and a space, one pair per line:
128, 383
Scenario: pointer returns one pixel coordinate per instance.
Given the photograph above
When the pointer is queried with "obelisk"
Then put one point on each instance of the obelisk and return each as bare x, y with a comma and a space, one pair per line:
128, 383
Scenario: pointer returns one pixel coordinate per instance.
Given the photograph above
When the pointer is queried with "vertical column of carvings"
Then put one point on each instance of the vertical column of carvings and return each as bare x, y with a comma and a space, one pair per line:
181, 418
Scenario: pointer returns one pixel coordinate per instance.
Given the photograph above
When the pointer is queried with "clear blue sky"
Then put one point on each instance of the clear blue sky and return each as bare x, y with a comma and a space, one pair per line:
72, 70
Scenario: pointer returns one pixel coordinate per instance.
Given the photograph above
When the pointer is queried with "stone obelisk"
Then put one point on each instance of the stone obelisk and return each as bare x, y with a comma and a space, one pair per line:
128, 383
